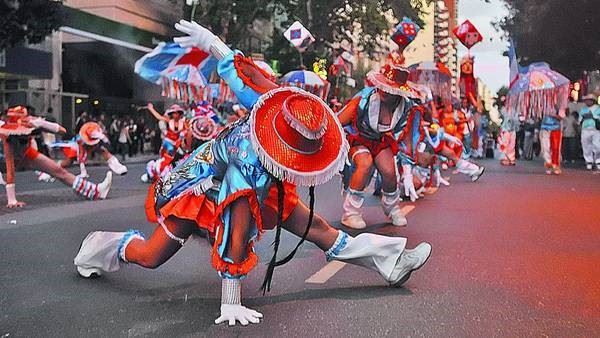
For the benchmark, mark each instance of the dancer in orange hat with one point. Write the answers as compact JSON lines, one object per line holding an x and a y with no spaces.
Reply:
{"x":375,"y":115}
{"x":289,"y":138}
{"x":91,"y":138}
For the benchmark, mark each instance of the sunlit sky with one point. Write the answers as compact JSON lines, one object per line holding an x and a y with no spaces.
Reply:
{"x":490,"y":65}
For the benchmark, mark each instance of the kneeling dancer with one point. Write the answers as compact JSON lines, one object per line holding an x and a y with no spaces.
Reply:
{"x":290,"y":138}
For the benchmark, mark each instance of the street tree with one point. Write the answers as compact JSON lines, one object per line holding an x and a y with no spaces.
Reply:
{"x":27,"y":21}
{"x":365,"y":23}
{"x":563,"y":33}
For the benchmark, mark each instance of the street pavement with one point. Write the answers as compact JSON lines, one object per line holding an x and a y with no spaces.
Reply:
{"x":515,"y":254}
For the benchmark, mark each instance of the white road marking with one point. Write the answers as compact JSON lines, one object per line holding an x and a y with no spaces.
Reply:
{"x":333,"y":267}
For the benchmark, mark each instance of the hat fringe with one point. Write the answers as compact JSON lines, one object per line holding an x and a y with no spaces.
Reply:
{"x":287,"y":174}
{"x":15,"y":132}
{"x":392,"y":90}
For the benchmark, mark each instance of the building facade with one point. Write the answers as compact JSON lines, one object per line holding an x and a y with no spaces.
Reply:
{"x":88,"y":64}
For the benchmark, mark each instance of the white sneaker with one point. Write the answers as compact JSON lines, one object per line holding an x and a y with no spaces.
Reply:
{"x":410,"y":260}
{"x":478,"y":174}
{"x":144,"y":178}
{"x":89,"y":272}
{"x":104,"y":187}
{"x":354,"y":222}
{"x":589,"y":166}
{"x":398,"y":218}
{"x":116,"y":166}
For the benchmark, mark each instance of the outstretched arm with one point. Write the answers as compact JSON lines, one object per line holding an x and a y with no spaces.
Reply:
{"x":348,"y":114}
{"x":244,"y":78}
{"x":51,"y":127}
{"x":155,"y":113}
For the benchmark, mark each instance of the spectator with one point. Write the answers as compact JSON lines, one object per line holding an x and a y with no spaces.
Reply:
{"x":589,"y":118}
{"x":141,"y":130}
{"x":569,"y":140}
{"x":124,"y":139}
{"x":529,"y":139}
{"x":133,"y":138}
{"x":81,"y":120}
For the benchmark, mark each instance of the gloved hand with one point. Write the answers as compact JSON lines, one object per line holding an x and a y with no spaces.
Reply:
{"x":198,"y":36}
{"x":407,"y":181}
{"x":237,"y":312}
{"x":98,"y":135}
{"x":454,"y":140}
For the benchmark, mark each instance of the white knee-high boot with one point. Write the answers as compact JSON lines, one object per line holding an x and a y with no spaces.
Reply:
{"x":352,"y":216}
{"x":116,"y":166}
{"x":90,"y":190}
{"x":102,"y":251}
{"x":383,"y":254}
{"x":390,"y":204}
{"x":471,"y":169}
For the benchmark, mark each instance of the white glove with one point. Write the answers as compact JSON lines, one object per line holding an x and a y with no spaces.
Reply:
{"x":439,"y":179}
{"x":237,"y":312}
{"x":198,"y":36}
{"x":98,"y":135}
{"x":454,"y":140}
{"x":43,"y":124}
{"x":407,"y":181}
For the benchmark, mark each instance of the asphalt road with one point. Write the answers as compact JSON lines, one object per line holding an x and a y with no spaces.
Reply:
{"x":515,"y":254}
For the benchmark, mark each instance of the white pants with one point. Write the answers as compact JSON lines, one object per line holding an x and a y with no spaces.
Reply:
{"x":590,"y":143}
{"x":507,"y":146}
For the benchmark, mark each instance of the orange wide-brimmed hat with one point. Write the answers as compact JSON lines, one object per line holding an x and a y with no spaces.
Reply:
{"x":393,"y":79}
{"x":13,"y":125}
{"x":297,"y":137}
{"x":203,"y":128}
{"x":91,"y":133}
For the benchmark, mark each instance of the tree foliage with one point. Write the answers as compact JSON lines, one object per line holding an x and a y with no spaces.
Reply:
{"x":328,"y":20}
{"x":563,"y":33}
{"x":27,"y":21}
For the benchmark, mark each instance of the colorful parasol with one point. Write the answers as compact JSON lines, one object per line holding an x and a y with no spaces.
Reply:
{"x":538,"y":91}
{"x":436,"y":76}
{"x":306,"y":80}
{"x":182,"y":72}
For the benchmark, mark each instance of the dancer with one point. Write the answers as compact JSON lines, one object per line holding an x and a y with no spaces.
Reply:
{"x":376,"y":114}
{"x":20,"y":151}
{"x":202,"y":129}
{"x":290,"y":137}
{"x":551,"y":139}
{"x":423,"y":143}
{"x":176,"y":126}
{"x":507,"y":139}
{"x":90,"y":139}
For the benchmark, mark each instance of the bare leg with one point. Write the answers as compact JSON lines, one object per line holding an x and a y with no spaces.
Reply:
{"x":156,"y":250}
{"x":364,"y":168}
{"x":321,"y":233}
{"x":67,"y":162}
{"x":385,"y":163}
{"x":10,"y":176}
{"x":44,"y":164}
{"x":106,"y":155}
